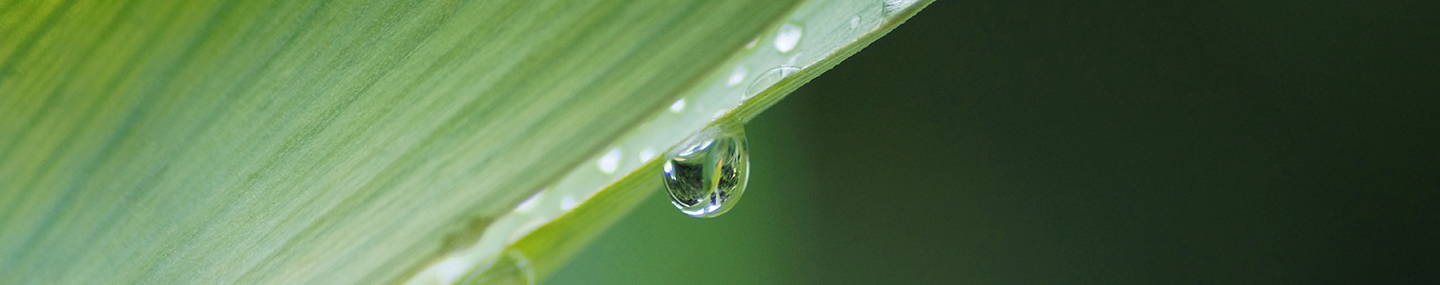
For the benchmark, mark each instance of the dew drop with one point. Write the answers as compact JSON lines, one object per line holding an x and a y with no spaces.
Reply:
{"x":568,"y":203}
{"x":678,"y":106}
{"x":646,"y":154}
{"x":510,"y":267}
{"x":895,"y":6}
{"x":530,"y":203}
{"x":737,"y":76}
{"x":526,"y":229}
{"x":706,"y":174}
{"x":451,"y":269}
{"x":770,"y":77}
{"x":787,"y":37}
{"x":793,"y":59}
{"x":610,"y":161}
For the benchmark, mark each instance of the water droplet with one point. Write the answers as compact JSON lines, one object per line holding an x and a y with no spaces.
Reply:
{"x":894,"y":6}
{"x":526,"y":229}
{"x":568,"y":203}
{"x":451,"y":269}
{"x":737,"y":76}
{"x":752,"y":42}
{"x":770,"y":77}
{"x":530,"y":203}
{"x":787,"y":37}
{"x":793,"y":59}
{"x":646,"y":154}
{"x":678,"y":106}
{"x":706,"y":174}
{"x":510,"y":267}
{"x":610,"y":161}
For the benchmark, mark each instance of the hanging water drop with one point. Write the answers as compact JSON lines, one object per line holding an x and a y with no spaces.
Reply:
{"x":705,"y":175}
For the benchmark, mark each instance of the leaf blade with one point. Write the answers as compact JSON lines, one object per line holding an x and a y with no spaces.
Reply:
{"x":216,"y":149}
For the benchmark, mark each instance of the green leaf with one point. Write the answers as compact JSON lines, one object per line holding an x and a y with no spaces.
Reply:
{"x":365,"y":141}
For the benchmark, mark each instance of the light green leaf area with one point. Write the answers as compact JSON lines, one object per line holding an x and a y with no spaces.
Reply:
{"x":318,"y":142}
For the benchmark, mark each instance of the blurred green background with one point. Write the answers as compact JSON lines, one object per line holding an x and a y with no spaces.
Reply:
{"x":1134,"y":142}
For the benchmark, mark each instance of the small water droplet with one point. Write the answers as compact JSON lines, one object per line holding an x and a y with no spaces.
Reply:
{"x":451,"y":269}
{"x":568,"y":203}
{"x":855,"y":22}
{"x":787,"y":37}
{"x":678,"y":106}
{"x":530,"y":203}
{"x":610,"y":161}
{"x":646,"y":154}
{"x":737,"y":76}
{"x":706,"y":174}
{"x":752,"y":42}
{"x":770,"y":77}
{"x":526,"y":229}
{"x":510,"y":267}
{"x":895,"y":6}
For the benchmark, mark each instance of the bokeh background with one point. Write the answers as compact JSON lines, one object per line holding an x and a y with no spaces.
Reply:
{"x":1110,"y":142}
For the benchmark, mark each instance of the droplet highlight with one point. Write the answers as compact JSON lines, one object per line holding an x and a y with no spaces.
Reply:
{"x":787,"y":37}
{"x":706,"y":174}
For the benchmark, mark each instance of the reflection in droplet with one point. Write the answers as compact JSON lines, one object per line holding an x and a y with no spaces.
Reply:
{"x":706,"y":174}
{"x":770,"y":77}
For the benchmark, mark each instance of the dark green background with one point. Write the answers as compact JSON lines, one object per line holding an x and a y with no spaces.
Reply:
{"x":1087,"y":142}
